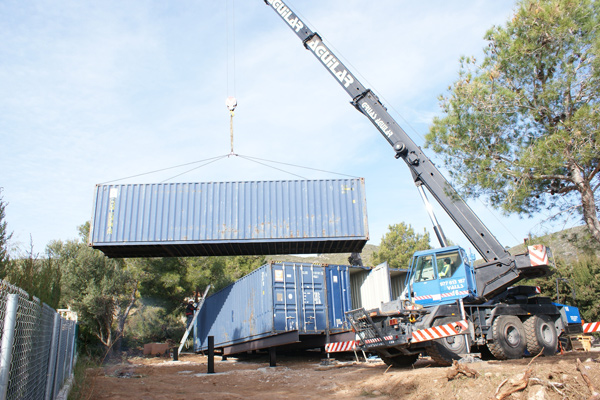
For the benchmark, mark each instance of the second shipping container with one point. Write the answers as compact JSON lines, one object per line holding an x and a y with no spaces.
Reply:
{"x":289,"y":304}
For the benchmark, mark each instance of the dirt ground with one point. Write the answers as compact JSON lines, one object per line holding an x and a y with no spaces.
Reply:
{"x":304,"y":377}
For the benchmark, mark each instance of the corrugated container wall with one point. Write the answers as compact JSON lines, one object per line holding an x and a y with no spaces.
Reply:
{"x":275,"y":299}
{"x":230,"y":218}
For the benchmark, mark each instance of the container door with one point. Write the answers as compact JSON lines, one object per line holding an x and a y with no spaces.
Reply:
{"x":285,"y":300}
{"x":376,"y":288}
{"x":313,"y":298}
{"x":338,"y":296}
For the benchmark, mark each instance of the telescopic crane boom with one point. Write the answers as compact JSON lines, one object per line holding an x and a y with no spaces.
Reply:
{"x":507,"y":269}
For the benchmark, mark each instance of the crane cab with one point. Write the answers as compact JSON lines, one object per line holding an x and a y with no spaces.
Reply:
{"x":440,"y":276}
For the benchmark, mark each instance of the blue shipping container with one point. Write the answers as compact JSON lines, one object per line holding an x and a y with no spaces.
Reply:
{"x":275,"y":299}
{"x":230,"y":218}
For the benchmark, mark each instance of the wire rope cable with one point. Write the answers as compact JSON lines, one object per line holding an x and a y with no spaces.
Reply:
{"x":230,"y":45}
{"x":164,"y":169}
{"x":297,"y":166}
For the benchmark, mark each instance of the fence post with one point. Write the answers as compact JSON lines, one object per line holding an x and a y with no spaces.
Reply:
{"x":8,"y":337}
{"x":60,"y":358}
{"x":52,"y":361}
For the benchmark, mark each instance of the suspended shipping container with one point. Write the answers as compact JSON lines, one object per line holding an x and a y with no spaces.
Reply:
{"x":287,"y":304}
{"x":230,"y":218}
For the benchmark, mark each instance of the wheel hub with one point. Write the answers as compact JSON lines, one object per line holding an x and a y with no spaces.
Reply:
{"x":513,"y":338}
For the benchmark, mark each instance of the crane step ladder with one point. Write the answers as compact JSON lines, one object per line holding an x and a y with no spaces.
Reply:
{"x":191,"y":325}
{"x":368,"y":333}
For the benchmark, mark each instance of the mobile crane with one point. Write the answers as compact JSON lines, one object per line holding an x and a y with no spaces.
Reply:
{"x":450,"y":305}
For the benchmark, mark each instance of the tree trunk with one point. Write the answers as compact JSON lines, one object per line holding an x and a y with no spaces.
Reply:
{"x":122,"y":318}
{"x":588,"y":203}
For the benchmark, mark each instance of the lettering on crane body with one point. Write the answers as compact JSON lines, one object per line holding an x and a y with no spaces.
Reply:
{"x":315,"y":44}
{"x":378,"y":121}
{"x":327,"y":58}
{"x":287,"y":14}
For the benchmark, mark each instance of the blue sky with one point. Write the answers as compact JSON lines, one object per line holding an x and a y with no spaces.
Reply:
{"x":95,"y":91}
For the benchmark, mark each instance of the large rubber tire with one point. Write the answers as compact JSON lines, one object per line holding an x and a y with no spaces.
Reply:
{"x":541,"y":335}
{"x":401,"y":361}
{"x":444,"y":351}
{"x":509,"y":339}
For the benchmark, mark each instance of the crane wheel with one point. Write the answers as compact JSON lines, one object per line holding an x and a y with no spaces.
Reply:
{"x":444,"y":351}
{"x":541,"y":335}
{"x":509,"y":339}
{"x":401,"y":361}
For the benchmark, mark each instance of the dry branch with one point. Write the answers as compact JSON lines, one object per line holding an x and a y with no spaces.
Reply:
{"x":552,"y":385}
{"x":460,"y":369}
{"x":595,"y":395}
{"x":515,"y":387}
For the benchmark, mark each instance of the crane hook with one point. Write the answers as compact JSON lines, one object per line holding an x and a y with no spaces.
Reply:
{"x":231,"y":104}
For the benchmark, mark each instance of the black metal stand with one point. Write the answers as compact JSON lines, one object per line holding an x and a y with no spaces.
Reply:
{"x":211,"y":355}
{"x":272,"y":357}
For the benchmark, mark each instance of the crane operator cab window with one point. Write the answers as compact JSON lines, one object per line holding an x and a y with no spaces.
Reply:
{"x":447,"y":264}
{"x":424,"y":270}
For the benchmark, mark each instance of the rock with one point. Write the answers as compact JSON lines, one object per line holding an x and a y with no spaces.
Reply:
{"x":537,"y":394}
{"x":516,"y":378}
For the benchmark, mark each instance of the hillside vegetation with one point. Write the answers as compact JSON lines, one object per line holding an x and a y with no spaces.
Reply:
{"x":569,"y":244}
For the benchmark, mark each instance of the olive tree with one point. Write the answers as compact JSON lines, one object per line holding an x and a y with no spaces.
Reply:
{"x":398,"y":245}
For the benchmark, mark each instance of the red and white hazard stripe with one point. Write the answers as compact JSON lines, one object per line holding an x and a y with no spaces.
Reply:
{"x":417,"y":298}
{"x":378,"y":339}
{"x":455,"y":293}
{"x":337,"y":347}
{"x":438,"y":332}
{"x":591,"y":327}
{"x":538,"y":255}
{"x":447,"y":294}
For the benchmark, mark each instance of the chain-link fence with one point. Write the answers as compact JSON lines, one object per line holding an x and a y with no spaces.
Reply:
{"x":37,"y":351}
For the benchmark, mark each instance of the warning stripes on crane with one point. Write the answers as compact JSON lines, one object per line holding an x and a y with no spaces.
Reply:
{"x":378,"y":339}
{"x":591,"y":327}
{"x":447,"y":294}
{"x":538,"y":255}
{"x":442,"y":331}
{"x":337,"y":347}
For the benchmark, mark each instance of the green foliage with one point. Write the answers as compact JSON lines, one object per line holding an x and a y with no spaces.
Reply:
{"x":220,"y":271}
{"x":40,"y":277}
{"x":4,"y":238}
{"x":399,"y":244}
{"x":101,"y":290}
{"x":523,"y":126}
{"x":580,"y":276}
{"x":138,"y":299}
{"x":152,"y":323}
{"x":164,"y":280}
{"x":83,"y":377}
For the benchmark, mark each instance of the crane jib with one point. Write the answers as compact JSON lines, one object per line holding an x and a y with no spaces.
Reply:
{"x":328,"y":59}
{"x":288,"y":15}
{"x":314,"y":43}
